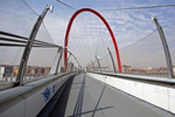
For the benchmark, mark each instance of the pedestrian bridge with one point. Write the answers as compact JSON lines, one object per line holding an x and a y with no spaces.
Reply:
{"x":90,"y":94}
{"x":103,"y":60}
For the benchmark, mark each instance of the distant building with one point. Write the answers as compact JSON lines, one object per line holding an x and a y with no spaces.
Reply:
{"x":2,"y":71}
{"x":36,"y":70}
{"x":39,"y":71}
{"x":15,"y":71}
{"x":62,"y":69}
{"x":32,"y":71}
{"x":8,"y":71}
{"x":103,"y":68}
{"x":149,"y":71}
{"x":70,"y":67}
{"x":46,"y":70}
{"x":174,"y":70}
{"x":126,"y":68}
{"x":42,"y":71}
{"x":27,"y":71}
{"x":163,"y":70}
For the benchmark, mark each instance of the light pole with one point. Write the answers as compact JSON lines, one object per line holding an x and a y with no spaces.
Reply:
{"x":92,"y":65}
{"x":75,"y":58}
{"x":98,"y":58}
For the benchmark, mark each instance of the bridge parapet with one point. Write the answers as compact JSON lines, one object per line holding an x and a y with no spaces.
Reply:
{"x":157,"y":91}
{"x":28,"y":100}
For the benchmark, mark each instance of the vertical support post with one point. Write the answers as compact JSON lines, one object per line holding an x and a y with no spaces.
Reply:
{"x":98,"y":63}
{"x":88,"y":67}
{"x":165,"y":47}
{"x":26,"y":53}
{"x":69,"y":66}
{"x":80,"y":68}
{"x":92,"y":65}
{"x":75,"y":59}
{"x":61,"y":50}
{"x":112,"y":60}
{"x":70,"y":54}
{"x":68,"y":63}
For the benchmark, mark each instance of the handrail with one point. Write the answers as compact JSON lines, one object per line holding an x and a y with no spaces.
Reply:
{"x":19,"y":90}
{"x":8,"y":85}
{"x":139,"y":77}
{"x":19,"y":38}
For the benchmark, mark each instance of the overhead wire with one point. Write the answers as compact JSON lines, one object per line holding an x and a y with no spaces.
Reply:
{"x":85,"y":32}
{"x":74,"y":9}
{"x":92,"y":34}
{"x":125,"y":8}
{"x":30,"y":8}
{"x":43,"y":24}
{"x":87,"y":35}
{"x":67,"y":5}
{"x":101,"y":38}
{"x":75,"y":40}
{"x":138,"y":8}
{"x":79,"y":41}
{"x":118,"y":9}
{"x":145,"y":37}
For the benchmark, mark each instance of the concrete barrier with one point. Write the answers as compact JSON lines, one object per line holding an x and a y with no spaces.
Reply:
{"x":29,"y":100}
{"x":157,"y":93}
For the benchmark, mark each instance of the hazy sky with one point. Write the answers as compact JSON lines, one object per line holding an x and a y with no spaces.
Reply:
{"x":89,"y":37}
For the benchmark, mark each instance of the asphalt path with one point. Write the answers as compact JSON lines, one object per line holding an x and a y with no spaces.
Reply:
{"x":91,"y":98}
{"x":85,"y":96}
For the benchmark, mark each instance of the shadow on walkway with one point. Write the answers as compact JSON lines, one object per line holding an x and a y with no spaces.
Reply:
{"x":57,"y":105}
{"x":78,"y":107}
{"x":101,"y":95}
{"x":79,"y":103}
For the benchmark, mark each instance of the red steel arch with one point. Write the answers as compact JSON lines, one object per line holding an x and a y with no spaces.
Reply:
{"x":107,"y":26}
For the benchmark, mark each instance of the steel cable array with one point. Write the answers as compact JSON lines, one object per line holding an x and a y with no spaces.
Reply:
{"x":136,"y":35}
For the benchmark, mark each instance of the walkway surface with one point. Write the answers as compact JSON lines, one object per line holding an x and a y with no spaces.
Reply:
{"x":88,"y":97}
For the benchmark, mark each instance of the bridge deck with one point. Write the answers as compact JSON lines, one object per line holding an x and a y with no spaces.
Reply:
{"x":88,"y":97}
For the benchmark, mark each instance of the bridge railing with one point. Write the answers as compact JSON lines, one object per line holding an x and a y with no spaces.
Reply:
{"x":142,"y":57}
{"x":19,"y":101}
{"x":155,"y":90}
{"x":17,"y":29}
